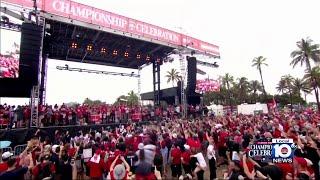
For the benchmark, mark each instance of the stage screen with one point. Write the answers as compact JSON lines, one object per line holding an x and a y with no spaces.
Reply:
{"x":9,"y":53}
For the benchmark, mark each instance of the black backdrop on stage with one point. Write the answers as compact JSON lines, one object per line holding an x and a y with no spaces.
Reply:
{"x":21,"y":136}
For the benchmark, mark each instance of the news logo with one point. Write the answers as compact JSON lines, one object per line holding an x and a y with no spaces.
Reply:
{"x":282,"y":150}
{"x":276,"y":151}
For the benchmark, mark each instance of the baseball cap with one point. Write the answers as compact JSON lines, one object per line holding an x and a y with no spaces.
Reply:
{"x":6,"y":155}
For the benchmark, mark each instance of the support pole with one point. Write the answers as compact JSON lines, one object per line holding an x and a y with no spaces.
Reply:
{"x":43,"y":79}
{"x":156,"y":83}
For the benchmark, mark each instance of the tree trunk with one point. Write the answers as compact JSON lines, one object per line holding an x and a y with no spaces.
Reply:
{"x":229,"y":94}
{"x":264,"y":91}
{"x":305,"y":97}
{"x":317,"y":97}
{"x":314,"y":85}
{"x":291,"y":107}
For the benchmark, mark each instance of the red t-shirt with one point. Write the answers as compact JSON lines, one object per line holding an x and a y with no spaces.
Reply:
{"x":151,"y":176}
{"x":277,"y":133}
{"x":222,"y":138}
{"x":286,"y":168}
{"x":186,"y":157}
{"x":96,"y":169}
{"x":249,"y":165}
{"x":176,"y":156}
{"x":3,"y":167}
{"x":36,"y":170}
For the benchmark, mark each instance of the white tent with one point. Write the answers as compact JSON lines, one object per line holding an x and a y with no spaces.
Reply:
{"x":216,"y":109}
{"x":252,"y":108}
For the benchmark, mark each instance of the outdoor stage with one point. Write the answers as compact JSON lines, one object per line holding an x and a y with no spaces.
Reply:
{"x":71,"y":31}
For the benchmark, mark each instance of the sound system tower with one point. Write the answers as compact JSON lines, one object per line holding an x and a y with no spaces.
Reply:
{"x":192,"y":75}
{"x":30,"y":52}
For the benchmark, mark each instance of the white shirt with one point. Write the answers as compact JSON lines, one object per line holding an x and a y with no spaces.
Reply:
{"x":201,"y":160}
{"x":210,"y":152}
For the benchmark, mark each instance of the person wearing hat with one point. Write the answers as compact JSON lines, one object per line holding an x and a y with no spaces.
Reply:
{"x":13,"y":172}
{"x":4,"y":164}
{"x":185,"y":158}
{"x":119,"y":171}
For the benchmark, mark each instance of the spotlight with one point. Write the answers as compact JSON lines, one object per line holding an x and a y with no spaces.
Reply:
{"x":138,"y":56}
{"x":89,"y":47}
{"x":126,"y":54}
{"x":103,"y":50}
{"x":74,"y":45}
{"x":115,"y":52}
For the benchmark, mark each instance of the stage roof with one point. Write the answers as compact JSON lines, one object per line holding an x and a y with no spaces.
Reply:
{"x":70,"y":22}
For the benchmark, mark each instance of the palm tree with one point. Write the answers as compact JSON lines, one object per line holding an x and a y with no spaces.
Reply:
{"x":227,"y":79}
{"x":300,"y":85}
{"x":313,"y":77}
{"x":306,"y":52}
{"x":287,"y":82}
{"x":259,"y":62}
{"x":132,"y":98}
{"x":173,"y":76}
{"x":282,"y":86}
{"x":242,"y":86}
{"x":254,"y":87}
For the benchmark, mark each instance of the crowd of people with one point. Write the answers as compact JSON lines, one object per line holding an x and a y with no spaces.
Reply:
{"x":177,"y":148}
{"x":17,"y":117}
{"x":9,"y":66}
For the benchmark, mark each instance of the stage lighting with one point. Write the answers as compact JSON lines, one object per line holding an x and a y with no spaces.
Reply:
{"x":74,"y":45}
{"x":115,"y":52}
{"x":89,"y":47}
{"x":126,"y":54}
{"x":138,"y":56}
{"x":103,"y":50}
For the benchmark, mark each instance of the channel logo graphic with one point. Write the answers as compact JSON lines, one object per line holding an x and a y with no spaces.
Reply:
{"x":283,"y":150}
{"x":276,"y":151}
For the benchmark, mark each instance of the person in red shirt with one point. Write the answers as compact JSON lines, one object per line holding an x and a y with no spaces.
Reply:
{"x":5,"y":157}
{"x":96,"y":165}
{"x":45,"y":169}
{"x":176,"y":161}
{"x":185,"y":158}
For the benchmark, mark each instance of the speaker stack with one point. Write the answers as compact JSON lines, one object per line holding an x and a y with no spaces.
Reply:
{"x":192,"y":75}
{"x":30,"y":52}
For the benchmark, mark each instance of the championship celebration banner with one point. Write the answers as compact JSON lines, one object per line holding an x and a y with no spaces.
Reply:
{"x":84,"y":13}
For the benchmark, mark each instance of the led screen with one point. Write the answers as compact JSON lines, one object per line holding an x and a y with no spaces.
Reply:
{"x":9,"y":53}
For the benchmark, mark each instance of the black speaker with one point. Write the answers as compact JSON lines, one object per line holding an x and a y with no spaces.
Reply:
{"x":192,"y":74}
{"x":30,"y":51}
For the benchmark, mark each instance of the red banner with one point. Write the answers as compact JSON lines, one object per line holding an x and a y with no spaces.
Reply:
{"x":84,"y":13}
